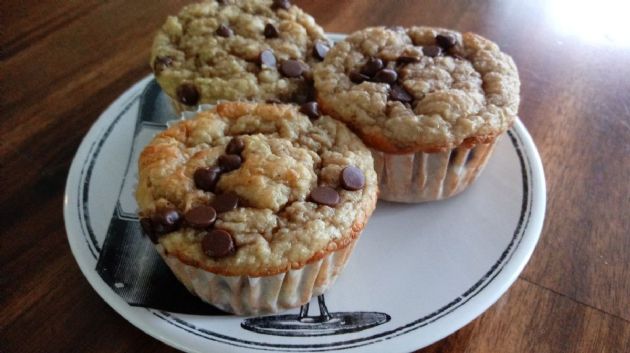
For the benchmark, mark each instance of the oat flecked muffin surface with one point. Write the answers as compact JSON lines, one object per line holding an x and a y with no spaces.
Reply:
{"x":281,"y":219}
{"x":419,"y":89}
{"x":238,"y":50}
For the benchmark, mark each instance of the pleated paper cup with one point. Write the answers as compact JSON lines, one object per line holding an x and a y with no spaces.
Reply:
{"x":421,"y":176}
{"x":245,"y":295}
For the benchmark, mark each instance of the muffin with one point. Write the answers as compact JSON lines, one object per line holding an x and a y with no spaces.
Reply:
{"x":431,"y":104}
{"x":237,"y":50}
{"x":256,"y":207}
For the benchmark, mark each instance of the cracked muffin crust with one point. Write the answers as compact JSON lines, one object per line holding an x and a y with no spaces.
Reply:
{"x":275,"y":171}
{"x":238,"y":50}
{"x":419,"y":89}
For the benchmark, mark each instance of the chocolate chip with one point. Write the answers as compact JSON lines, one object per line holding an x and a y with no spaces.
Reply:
{"x":224,"y":31}
{"x":267,"y":58}
{"x":399,"y":93}
{"x":206,"y":178}
{"x":188,"y":94}
{"x":431,"y":50}
{"x":291,"y":68}
{"x":446,"y":41}
{"x":325,"y":195}
{"x":405,"y":59}
{"x":311,"y":110}
{"x":165,"y":220}
{"x":270,"y":31}
{"x":236,"y":146}
{"x":281,"y":4}
{"x":145,"y":223}
{"x":230,"y":162}
{"x":372,"y":66}
{"x":303,"y":95}
{"x":147,"y":228}
{"x":218,"y":243}
{"x":161,"y":63}
{"x":225,"y":202}
{"x":357,"y":77}
{"x":200,"y":217}
{"x":352,"y":178}
{"x":320,"y":50}
{"x":386,"y":76}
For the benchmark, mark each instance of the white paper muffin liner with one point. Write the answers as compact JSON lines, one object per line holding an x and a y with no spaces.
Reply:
{"x":420,"y":177}
{"x":244,"y":295}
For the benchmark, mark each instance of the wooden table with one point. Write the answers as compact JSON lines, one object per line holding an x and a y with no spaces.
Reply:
{"x":63,"y":62}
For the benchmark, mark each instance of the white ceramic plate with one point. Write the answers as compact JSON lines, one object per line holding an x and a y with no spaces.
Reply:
{"x":418,"y":273}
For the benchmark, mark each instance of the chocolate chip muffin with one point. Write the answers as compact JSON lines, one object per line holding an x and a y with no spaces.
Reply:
{"x":256,"y":207}
{"x":429,"y":102}
{"x":238,"y":50}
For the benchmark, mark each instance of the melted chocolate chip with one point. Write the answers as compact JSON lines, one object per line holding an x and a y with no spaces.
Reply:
{"x":311,"y":110}
{"x":218,"y":243}
{"x":291,"y":68}
{"x":372,"y":66}
{"x":230,"y":162}
{"x":405,"y":59}
{"x":352,"y":178}
{"x":320,"y":50}
{"x":147,"y":228}
{"x":325,"y":195}
{"x":188,"y":94}
{"x":299,"y":97}
{"x":225,"y":202}
{"x":267,"y":58}
{"x":206,"y":178}
{"x":386,"y":76}
{"x":225,"y":31}
{"x":235,"y":146}
{"x":399,"y":93}
{"x":165,"y":220}
{"x":303,"y":95}
{"x":271,"y":31}
{"x":161,"y":63}
{"x":357,"y":77}
{"x":200,"y":217}
{"x":431,"y":51}
{"x":446,"y":41}
{"x":281,"y":4}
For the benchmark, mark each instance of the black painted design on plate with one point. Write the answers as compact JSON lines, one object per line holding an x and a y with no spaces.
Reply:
{"x":421,"y":322}
{"x":324,"y":324}
{"x":128,"y":261}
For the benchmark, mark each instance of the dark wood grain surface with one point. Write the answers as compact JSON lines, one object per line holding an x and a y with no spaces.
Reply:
{"x":63,"y":62}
